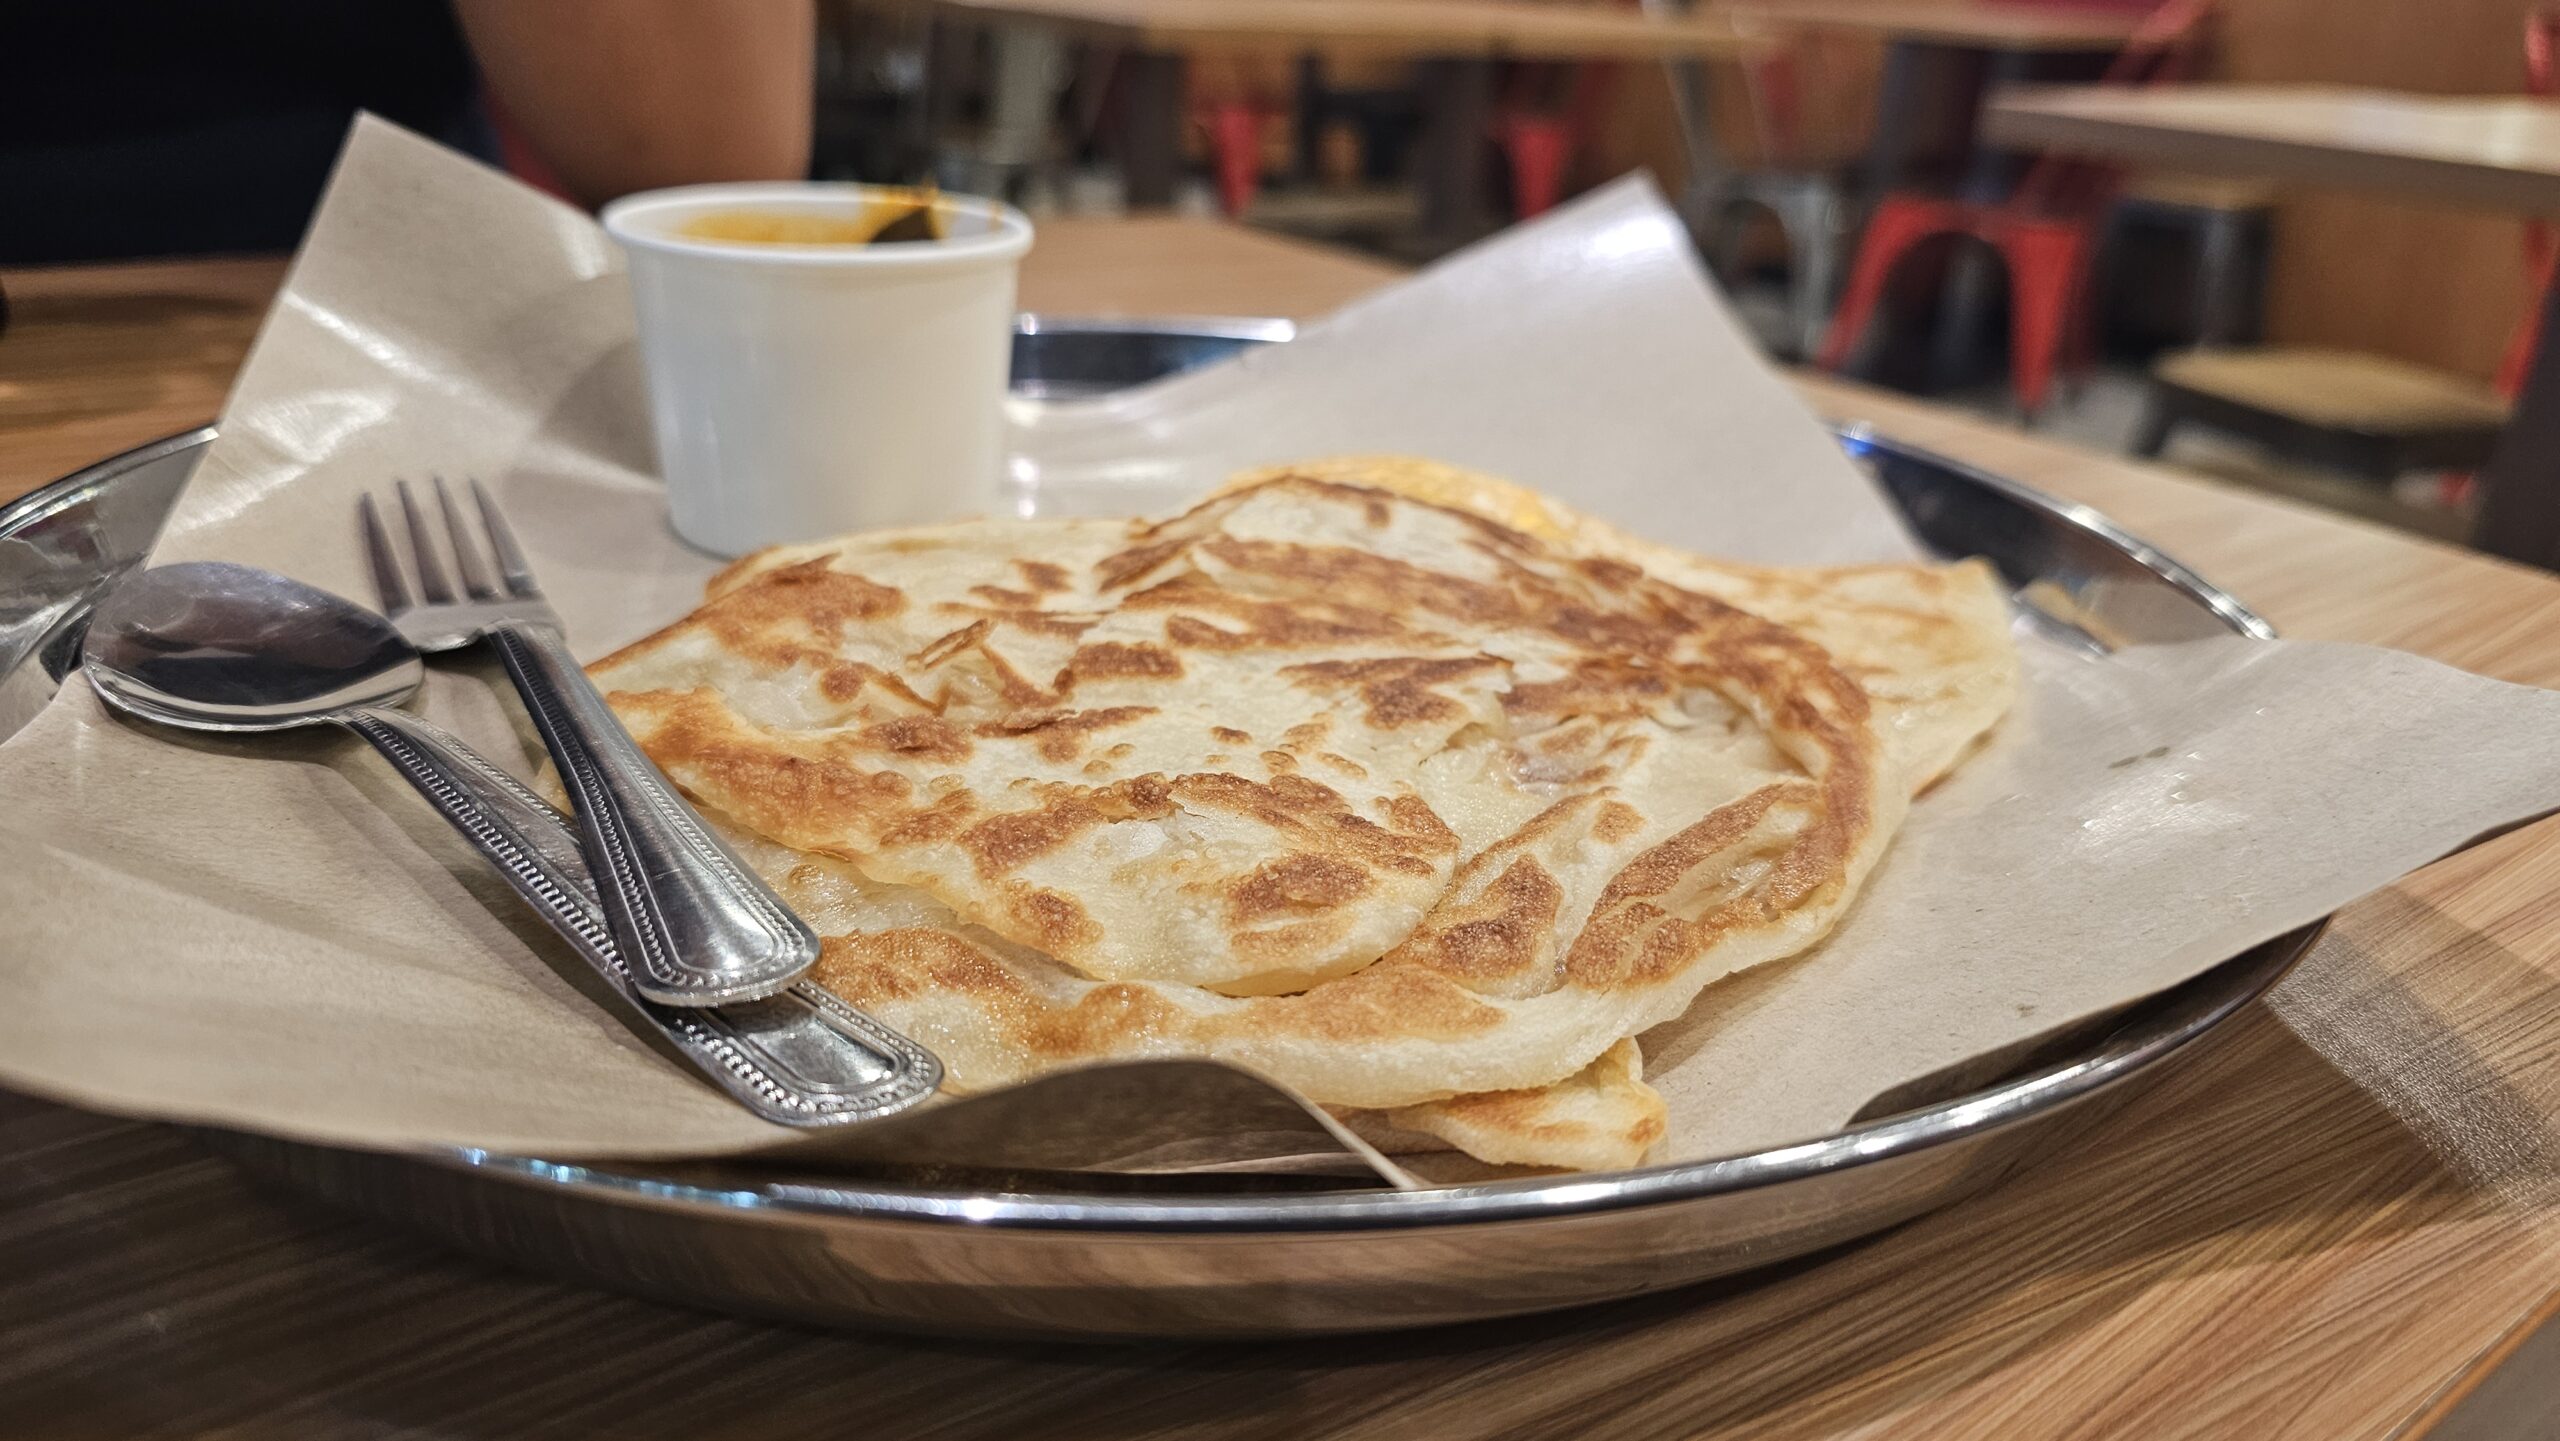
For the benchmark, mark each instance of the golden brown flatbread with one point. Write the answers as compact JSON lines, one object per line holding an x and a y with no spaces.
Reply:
{"x":1407,"y":807}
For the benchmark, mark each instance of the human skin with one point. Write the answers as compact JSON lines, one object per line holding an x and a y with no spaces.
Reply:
{"x":617,"y":96}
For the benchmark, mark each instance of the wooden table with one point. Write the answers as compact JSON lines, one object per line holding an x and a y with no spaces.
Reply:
{"x":2494,"y":152}
{"x":2012,"y":28}
{"x":100,"y":358}
{"x":1455,"y":42}
{"x":2490,"y":153}
{"x":1498,"y":29}
{"x":2334,"y":1221}
{"x":1970,"y":45}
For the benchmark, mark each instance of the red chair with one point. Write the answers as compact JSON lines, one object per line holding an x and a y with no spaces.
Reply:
{"x":1235,"y":108}
{"x":2542,"y":80}
{"x":2045,"y":232}
{"x":1235,"y":142}
{"x":1540,"y":142}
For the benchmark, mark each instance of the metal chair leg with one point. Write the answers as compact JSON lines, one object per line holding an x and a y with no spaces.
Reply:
{"x":1815,"y":235}
{"x":1707,"y":206}
{"x":2151,"y":433}
{"x":1030,"y":70}
{"x":2220,"y":252}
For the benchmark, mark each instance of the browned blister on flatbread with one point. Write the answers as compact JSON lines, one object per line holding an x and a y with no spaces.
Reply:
{"x":1414,"y":810}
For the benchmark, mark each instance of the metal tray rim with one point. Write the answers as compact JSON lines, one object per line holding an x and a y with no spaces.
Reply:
{"x":42,"y":501}
{"x":1255,"y":328}
{"x":2129,"y":1052}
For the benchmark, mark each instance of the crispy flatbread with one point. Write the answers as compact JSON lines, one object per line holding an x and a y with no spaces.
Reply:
{"x":1409,"y":808}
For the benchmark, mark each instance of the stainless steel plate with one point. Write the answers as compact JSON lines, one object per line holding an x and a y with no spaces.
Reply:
{"x":1077,"y":1256}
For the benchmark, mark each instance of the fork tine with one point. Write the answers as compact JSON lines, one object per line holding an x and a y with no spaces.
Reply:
{"x":378,"y":555}
{"x":466,"y":552}
{"x":503,"y":541}
{"x":422,"y":546}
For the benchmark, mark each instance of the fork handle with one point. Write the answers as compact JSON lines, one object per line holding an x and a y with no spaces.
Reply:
{"x":803,"y":1059}
{"x":697,"y":927}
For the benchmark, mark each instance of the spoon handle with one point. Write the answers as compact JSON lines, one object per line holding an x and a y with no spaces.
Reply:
{"x":698,"y":927}
{"x":803,"y":1058}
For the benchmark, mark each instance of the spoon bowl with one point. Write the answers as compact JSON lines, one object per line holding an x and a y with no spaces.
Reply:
{"x":209,"y":645}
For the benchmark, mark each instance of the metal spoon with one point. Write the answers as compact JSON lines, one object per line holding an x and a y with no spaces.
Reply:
{"x":207,"y":645}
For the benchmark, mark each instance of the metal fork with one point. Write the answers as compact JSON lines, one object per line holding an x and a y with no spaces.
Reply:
{"x":697,"y":927}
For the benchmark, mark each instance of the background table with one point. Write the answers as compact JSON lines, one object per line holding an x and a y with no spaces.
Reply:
{"x":2335,"y":1220}
{"x":1508,"y":29}
{"x":1979,"y":26}
{"x":1965,"y":46}
{"x":2493,"y":153}
{"x":1456,"y":43}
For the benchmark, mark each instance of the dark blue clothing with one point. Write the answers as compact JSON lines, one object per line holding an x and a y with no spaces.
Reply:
{"x":185,"y":127}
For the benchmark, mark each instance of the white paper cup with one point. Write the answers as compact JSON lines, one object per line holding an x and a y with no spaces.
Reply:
{"x":800,"y":391}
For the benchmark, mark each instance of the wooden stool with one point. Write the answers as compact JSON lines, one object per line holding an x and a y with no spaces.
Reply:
{"x":2367,"y":414}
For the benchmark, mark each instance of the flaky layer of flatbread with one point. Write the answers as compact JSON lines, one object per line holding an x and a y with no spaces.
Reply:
{"x":1420,"y":813}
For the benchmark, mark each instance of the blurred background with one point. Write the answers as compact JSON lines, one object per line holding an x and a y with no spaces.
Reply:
{"x":2355,"y":348}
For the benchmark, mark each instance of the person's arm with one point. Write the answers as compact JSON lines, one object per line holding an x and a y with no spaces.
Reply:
{"x":625,"y":95}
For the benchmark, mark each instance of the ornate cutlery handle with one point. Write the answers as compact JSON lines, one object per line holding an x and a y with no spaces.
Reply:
{"x":698,"y":927}
{"x":803,"y":1058}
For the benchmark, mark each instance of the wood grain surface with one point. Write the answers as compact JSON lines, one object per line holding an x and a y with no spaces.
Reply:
{"x":2342,"y":389}
{"x":96,"y":359}
{"x":2493,"y":153}
{"x":1516,"y":29}
{"x":1967,"y":24}
{"x":2328,"y":1223}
